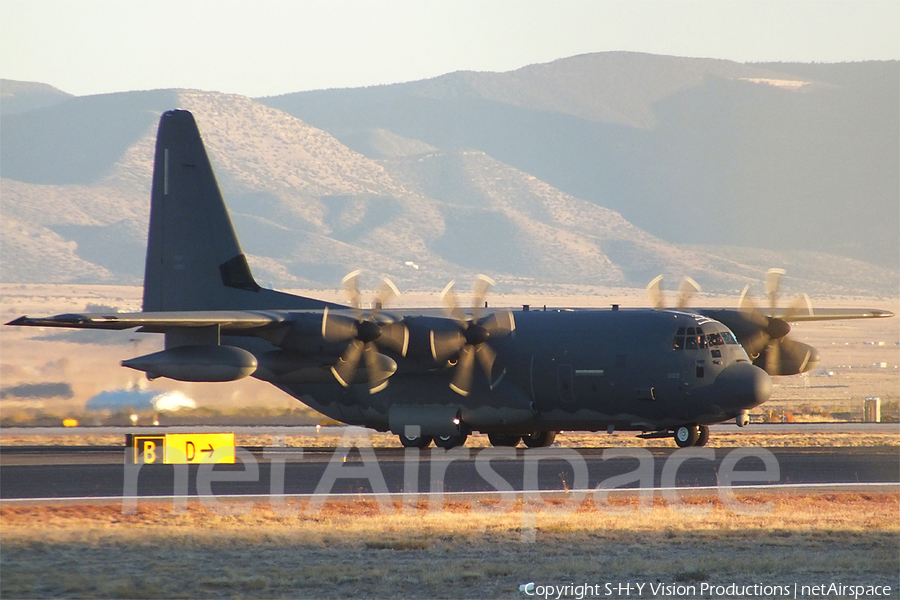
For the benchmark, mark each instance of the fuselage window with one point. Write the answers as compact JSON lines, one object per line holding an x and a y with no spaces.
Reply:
{"x":729,"y":338}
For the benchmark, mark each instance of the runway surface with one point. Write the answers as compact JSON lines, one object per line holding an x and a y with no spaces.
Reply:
{"x":48,"y":473}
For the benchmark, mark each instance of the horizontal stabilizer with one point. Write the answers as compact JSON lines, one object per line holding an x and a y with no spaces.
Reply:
{"x":157,"y":321}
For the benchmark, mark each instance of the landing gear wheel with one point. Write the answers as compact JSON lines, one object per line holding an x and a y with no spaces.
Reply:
{"x":539,"y":439}
{"x":686,"y":436}
{"x":504,"y":440}
{"x":450,"y":441}
{"x":415,"y":441}
{"x":703,"y":436}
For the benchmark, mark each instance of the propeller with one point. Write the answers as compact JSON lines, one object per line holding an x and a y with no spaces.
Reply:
{"x":469,"y":339}
{"x":365,"y":334}
{"x":769,"y":346}
{"x":687,"y":289}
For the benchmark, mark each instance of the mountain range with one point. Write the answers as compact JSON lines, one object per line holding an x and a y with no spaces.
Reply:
{"x":601,"y":170}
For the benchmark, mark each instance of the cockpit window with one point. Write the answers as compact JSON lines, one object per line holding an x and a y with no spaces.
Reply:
{"x":693,"y":338}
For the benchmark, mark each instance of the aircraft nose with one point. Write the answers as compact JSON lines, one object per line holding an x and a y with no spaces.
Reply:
{"x":743,"y":386}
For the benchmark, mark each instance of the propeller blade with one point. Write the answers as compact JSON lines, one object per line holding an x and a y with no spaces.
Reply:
{"x":688,"y":288}
{"x":756,"y":343}
{"x":773,"y":282}
{"x":386,"y":292}
{"x":783,"y":356}
{"x":445,"y":344}
{"x":338,"y":328}
{"x":745,"y":302}
{"x":394,"y":336}
{"x":352,"y":290}
{"x":377,"y":368}
{"x":800,"y":305}
{"x":345,"y":368}
{"x":486,"y":356}
{"x":483,"y":283}
{"x":750,"y":310}
{"x":773,"y":358}
{"x":462,"y":378}
{"x":500,"y":323}
{"x":777,"y":328}
{"x":654,"y":292}
{"x":448,"y":298}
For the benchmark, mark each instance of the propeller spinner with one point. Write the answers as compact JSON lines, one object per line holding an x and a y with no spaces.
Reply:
{"x":365,"y":334}
{"x":469,"y":340}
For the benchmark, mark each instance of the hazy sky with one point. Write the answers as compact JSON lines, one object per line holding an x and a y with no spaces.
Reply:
{"x":269,"y":47}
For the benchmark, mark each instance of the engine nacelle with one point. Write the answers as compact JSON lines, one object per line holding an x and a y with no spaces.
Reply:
{"x":285,"y":366}
{"x":196,"y":363}
{"x":787,"y":357}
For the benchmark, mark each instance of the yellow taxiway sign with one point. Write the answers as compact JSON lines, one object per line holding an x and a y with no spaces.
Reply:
{"x":182,"y":448}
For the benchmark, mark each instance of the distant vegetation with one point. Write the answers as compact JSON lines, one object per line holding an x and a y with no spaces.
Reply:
{"x":38,"y":390}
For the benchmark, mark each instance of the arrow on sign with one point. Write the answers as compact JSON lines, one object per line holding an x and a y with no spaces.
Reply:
{"x":200,"y":448}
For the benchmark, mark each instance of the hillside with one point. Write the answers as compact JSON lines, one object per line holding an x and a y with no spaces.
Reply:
{"x":24,"y":96}
{"x":780,"y":156}
{"x":385,"y":193}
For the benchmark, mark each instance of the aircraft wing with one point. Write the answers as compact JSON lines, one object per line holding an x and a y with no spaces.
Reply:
{"x":159,"y":321}
{"x":838,"y":314}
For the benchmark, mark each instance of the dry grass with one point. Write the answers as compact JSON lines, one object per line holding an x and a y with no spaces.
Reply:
{"x":329,"y":439}
{"x":350,"y":550}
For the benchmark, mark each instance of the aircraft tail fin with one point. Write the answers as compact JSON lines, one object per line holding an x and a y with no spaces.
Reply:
{"x":194,"y":259}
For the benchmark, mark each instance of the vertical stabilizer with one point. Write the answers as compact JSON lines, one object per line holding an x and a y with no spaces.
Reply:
{"x":194,"y":259}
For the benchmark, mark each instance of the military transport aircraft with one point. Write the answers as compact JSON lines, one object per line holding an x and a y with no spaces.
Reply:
{"x":430,"y":374}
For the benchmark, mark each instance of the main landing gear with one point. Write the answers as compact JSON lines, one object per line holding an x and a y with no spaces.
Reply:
{"x":441,"y":441}
{"x":415,"y":441}
{"x":536,"y":439}
{"x":450,"y":441}
{"x":691,"y":435}
{"x":539,"y":439}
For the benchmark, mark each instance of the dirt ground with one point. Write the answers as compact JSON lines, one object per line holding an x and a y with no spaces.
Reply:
{"x":350,"y":550}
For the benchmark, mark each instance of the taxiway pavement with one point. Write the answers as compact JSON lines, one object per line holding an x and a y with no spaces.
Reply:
{"x":58,"y":473}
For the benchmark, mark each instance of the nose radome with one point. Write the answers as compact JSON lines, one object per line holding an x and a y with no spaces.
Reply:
{"x":743,"y":385}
